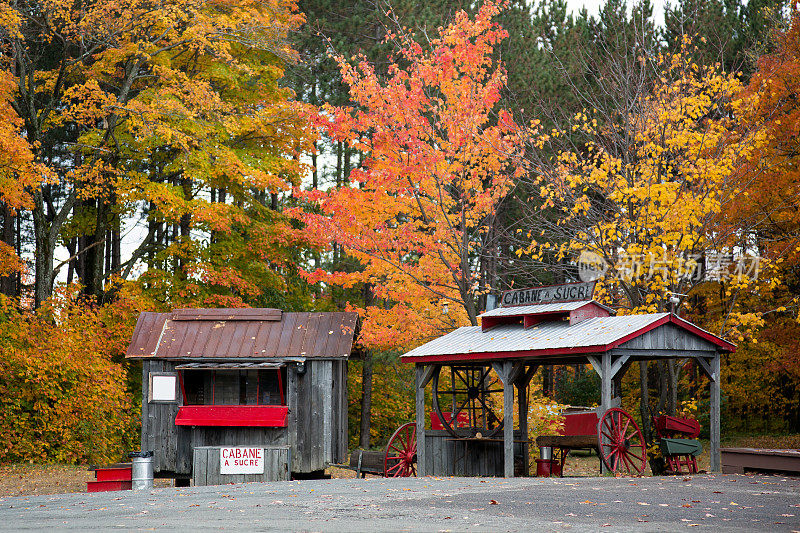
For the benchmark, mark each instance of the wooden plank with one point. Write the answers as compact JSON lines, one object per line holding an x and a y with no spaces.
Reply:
{"x":304,"y":401}
{"x":327,"y":412}
{"x":343,"y":415}
{"x":143,"y":442}
{"x":419,"y":388}
{"x":292,"y":398}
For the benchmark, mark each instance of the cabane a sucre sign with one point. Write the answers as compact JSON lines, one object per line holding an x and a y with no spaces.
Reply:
{"x":240,"y":460}
{"x":551,"y":294}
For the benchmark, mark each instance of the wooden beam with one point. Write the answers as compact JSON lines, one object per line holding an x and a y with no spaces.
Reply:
{"x":517,"y":370}
{"x":641,"y":353}
{"x":706,"y":368}
{"x":595,"y":362}
{"x":422,"y":467}
{"x":616,"y":366}
{"x":526,"y":378}
{"x":428,"y":374}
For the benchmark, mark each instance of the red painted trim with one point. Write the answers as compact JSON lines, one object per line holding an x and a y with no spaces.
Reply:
{"x":232,"y":415}
{"x":521,"y":354}
{"x":280,"y":385}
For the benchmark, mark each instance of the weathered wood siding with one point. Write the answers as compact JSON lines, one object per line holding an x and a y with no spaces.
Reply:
{"x":316,"y":431}
{"x":446,"y":457}
{"x":318,"y":415}
{"x":669,"y":337}
{"x":206,"y":469}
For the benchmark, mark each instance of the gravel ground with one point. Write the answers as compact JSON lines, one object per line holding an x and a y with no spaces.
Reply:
{"x":718,"y":502}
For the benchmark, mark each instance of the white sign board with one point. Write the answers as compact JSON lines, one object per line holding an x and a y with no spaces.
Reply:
{"x":241,"y":460}
{"x":162,"y":388}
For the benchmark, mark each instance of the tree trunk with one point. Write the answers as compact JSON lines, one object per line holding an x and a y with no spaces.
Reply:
{"x":45,"y":241}
{"x":8,"y":285}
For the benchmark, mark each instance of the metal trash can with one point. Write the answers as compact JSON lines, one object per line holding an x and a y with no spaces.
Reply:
{"x":141,"y":470}
{"x":545,"y":453}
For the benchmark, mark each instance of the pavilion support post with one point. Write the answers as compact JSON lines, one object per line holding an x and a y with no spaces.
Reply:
{"x":422,"y":467}
{"x":606,"y":379}
{"x":508,"y":420}
{"x":714,"y":422}
{"x":606,"y":383}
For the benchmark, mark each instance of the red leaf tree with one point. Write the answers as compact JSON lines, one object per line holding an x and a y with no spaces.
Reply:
{"x":439,"y":156}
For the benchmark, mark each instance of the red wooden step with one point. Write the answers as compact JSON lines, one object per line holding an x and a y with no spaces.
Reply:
{"x":104,"y":486}
{"x":113,"y":474}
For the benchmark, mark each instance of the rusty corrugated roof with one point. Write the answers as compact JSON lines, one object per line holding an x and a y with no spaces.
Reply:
{"x":242,"y":333}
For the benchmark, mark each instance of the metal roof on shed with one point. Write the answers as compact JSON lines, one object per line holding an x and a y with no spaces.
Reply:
{"x":242,"y":333}
{"x":551,"y":338}
{"x":543,"y":308}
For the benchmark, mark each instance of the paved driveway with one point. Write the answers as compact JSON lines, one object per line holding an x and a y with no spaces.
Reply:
{"x":702,"y":502}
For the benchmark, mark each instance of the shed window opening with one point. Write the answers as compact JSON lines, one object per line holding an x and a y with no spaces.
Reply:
{"x":234,"y":387}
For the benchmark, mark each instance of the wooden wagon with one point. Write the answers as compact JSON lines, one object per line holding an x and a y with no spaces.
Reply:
{"x":472,"y":370}
{"x":231,"y":395}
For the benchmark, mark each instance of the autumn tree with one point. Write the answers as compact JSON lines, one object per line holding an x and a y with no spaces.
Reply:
{"x":177,"y":109}
{"x":645,"y":188}
{"x":439,"y":160}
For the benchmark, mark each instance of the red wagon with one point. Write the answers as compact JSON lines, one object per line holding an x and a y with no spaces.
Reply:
{"x":615,"y":436}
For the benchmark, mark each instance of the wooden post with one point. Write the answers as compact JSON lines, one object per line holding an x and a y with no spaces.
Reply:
{"x":714,"y":421}
{"x":605,"y":382}
{"x":606,"y":379}
{"x":420,"y":397}
{"x":522,"y":402}
{"x":508,"y":420}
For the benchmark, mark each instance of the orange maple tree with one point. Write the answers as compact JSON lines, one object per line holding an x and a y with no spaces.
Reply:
{"x":438,"y":158}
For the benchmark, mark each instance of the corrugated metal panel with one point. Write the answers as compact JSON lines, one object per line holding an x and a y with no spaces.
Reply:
{"x":541,"y":308}
{"x":146,"y":334}
{"x":543,"y":336}
{"x":304,"y":335}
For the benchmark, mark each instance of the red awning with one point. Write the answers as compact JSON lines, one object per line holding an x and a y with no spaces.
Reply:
{"x":232,"y":415}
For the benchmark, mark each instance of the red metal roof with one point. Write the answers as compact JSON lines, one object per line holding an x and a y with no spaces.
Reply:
{"x":242,"y":333}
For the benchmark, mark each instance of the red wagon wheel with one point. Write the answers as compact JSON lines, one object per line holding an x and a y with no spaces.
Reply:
{"x":621,"y":443}
{"x":400,"y":459}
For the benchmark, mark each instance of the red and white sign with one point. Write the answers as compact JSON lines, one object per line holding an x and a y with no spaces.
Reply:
{"x":241,"y":460}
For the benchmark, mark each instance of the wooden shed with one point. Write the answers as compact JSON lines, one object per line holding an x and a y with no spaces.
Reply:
{"x":221,"y":384}
{"x":538,"y":326}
